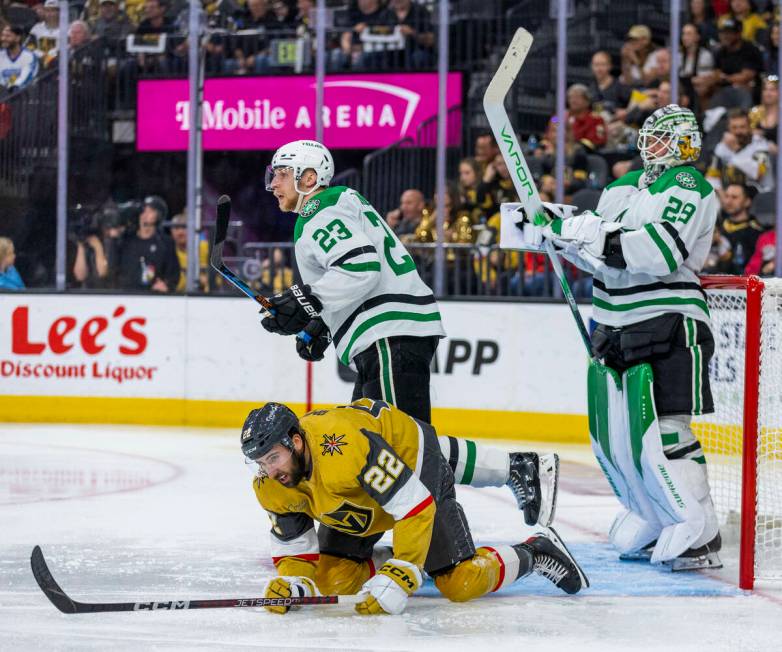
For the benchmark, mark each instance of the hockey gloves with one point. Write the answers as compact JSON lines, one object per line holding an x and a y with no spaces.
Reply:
{"x":285,"y":587}
{"x":320,"y":338}
{"x":388,"y":590}
{"x":291,"y":310}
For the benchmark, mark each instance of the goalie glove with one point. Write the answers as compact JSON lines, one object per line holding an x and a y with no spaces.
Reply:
{"x":291,"y":310}
{"x":286,"y":587}
{"x":388,"y":590}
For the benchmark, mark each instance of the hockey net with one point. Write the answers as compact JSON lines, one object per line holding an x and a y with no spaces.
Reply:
{"x":743,"y":438}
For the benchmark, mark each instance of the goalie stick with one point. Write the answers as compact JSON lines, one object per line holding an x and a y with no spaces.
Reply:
{"x":221,"y":231}
{"x":68,"y":605}
{"x":494,"y":107}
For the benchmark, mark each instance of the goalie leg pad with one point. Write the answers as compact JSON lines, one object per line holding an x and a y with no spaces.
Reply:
{"x":608,"y":429}
{"x":666,"y":482}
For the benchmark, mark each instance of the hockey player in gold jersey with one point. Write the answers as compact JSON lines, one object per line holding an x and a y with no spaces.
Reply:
{"x":361,"y":470}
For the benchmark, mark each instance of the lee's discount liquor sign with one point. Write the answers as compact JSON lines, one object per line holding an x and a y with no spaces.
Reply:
{"x":96,"y":345}
{"x":261,"y":113}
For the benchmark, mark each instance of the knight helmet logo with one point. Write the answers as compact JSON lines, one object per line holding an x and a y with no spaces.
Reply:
{"x":348,"y":518}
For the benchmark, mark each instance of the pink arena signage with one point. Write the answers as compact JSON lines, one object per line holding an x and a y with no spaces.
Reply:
{"x":261,"y":113}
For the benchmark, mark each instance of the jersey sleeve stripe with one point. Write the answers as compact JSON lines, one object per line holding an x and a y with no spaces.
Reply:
{"x":664,"y":249}
{"x":372,"y":266}
{"x":420,"y":507}
{"x":354,"y":253}
{"x":301,"y":546}
{"x":671,"y":230}
{"x":408,"y":500}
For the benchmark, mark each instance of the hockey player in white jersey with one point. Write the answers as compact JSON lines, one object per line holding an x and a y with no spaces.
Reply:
{"x":361,"y":291}
{"x":645,"y":244}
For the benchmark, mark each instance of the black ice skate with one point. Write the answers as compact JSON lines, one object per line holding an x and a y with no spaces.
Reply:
{"x":533,"y":480}
{"x":700,"y":558}
{"x":553,"y":560}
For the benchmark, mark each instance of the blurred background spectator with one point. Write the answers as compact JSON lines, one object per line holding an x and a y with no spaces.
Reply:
{"x":739,"y":227}
{"x":179,"y":236}
{"x":9,"y":277}
{"x":763,"y":259}
{"x":405,"y":219}
{"x":18,"y":66}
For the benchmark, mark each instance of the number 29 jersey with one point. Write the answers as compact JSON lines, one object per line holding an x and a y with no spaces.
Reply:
{"x":363,"y":275}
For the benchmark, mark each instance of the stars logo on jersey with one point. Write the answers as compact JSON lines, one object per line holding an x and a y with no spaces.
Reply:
{"x":310,"y":207}
{"x":333,"y":444}
{"x":686,"y":180}
{"x":348,"y":518}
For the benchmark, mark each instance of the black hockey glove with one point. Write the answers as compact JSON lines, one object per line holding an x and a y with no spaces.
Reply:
{"x":319,"y":342}
{"x":291,"y":310}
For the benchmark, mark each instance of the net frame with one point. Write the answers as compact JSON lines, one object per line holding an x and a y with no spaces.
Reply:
{"x":760,"y":425}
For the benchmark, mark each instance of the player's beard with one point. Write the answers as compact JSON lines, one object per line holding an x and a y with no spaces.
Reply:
{"x":298,"y":470}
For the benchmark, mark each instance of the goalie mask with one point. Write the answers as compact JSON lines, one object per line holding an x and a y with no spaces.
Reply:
{"x":669,"y":137}
{"x":299,"y":156}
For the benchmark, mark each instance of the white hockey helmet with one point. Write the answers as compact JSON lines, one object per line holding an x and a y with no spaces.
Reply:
{"x":301,"y":155}
{"x":669,"y":137}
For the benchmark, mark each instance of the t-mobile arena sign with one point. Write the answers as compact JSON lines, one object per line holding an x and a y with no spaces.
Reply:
{"x":258,"y":113}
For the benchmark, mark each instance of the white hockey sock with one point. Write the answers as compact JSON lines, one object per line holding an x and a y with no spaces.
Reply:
{"x":509,"y":563}
{"x":474,"y":464}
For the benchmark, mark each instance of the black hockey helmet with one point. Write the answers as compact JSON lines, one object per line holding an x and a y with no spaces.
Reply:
{"x":267,"y":426}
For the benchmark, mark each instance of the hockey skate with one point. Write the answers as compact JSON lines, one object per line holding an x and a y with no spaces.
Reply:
{"x":700,"y":558}
{"x":533,"y":480}
{"x":552,"y":560}
{"x":644,"y":554}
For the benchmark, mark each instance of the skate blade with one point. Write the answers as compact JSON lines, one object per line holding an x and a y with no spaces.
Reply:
{"x":548,"y":473}
{"x":636,"y":555}
{"x":552,"y":534}
{"x":708,"y":561}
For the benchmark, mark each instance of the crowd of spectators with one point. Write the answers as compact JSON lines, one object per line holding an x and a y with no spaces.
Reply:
{"x":244,"y":36}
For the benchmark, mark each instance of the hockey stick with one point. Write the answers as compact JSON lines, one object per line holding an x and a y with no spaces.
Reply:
{"x":494,"y":107}
{"x":221,"y":231}
{"x":68,"y":605}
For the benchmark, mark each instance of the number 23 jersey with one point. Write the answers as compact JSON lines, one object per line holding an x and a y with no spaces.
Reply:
{"x":364,"y":480}
{"x":363,"y":275}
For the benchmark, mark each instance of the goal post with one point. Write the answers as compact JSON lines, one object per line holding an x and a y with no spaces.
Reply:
{"x":743,"y":438}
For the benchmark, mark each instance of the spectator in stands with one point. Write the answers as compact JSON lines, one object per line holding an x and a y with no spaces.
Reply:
{"x":91,"y":265}
{"x":485,"y":149}
{"x":45,"y":34}
{"x":415,"y":24}
{"x":276,"y":272}
{"x":741,"y":157}
{"x":405,"y":219}
{"x":9,"y":277}
{"x":607,"y":92}
{"x":18,"y":66}
{"x":368,"y":16}
{"x":78,"y":34}
{"x":496,"y":186}
{"x":305,"y":16}
{"x":636,"y":55}
{"x":111,"y":24}
{"x":753,"y":27}
{"x":281,"y":18}
{"x":585,"y":126}
{"x":470,"y":174}
{"x":696,"y":61}
{"x":738,"y":62}
{"x":701,"y":14}
{"x":738,"y":226}
{"x":155,"y":19}
{"x":718,"y":260}
{"x":657,"y":68}
{"x":147,"y":258}
{"x":179,"y":236}
{"x":251,"y":52}
{"x":764,"y":117}
{"x":763,"y":260}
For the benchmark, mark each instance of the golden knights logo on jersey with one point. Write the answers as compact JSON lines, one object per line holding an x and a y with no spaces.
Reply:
{"x":333,"y":444}
{"x":349,"y":518}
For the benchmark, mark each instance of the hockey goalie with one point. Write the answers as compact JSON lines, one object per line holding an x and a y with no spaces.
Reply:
{"x":644,"y":245}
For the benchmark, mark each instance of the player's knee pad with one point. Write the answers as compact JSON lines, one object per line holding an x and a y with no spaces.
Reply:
{"x":471,"y":578}
{"x":341,"y":576}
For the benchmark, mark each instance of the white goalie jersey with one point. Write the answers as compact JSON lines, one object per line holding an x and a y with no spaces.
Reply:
{"x":666,"y":234}
{"x":362,"y":274}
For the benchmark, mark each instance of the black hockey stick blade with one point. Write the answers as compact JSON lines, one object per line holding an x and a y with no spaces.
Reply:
{"x":49,"y":585}
{"x":60,"y":599}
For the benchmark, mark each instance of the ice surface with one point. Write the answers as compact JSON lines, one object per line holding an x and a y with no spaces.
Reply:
{"x":129,"y":513}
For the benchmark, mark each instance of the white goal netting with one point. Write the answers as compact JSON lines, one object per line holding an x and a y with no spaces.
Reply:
{"x":721,"y":433}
